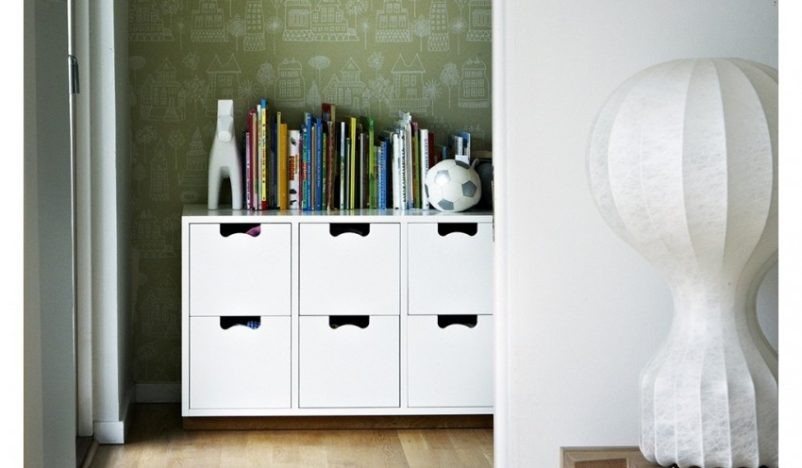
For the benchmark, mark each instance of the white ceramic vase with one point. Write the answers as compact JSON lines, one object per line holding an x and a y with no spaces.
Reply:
{"x":683,"y":166}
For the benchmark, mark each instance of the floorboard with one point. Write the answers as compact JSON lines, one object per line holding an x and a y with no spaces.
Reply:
{"x":157,"y":438}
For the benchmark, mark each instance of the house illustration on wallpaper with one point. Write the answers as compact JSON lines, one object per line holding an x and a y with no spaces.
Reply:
{"x":151,"y":236}
{"x":193,"y":177}
{"x":475,"y":85}
{"x":291,"y":84}
{"x":146,"y":24}
{"x":438,"y":20}
{"x":161,"y":305}
{"x":346,"y":88}
{"x":392,"y":23}
{"x":162,"y":98}
{"x":254,"y":40}
{"x":159,"y":178}
{"x":408,"y":86}
{"x":480,"y":21}
{"x":208,"y":24}
{"x":322,"y":21}
{"x":223,"y":77}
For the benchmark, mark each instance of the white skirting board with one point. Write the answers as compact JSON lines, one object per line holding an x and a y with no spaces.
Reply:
{"x":166,"y":392}
{"x":113,"y":432}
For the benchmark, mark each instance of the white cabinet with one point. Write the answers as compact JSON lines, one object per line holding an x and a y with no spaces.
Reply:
{"x":234,"y":365}
{"x":313,"y":314}
{"x":235,"y":267}
{"x":450,"y":360}
{"x":349,"y":362}
{"x":450,"y":268}
{"x":350,"y":268}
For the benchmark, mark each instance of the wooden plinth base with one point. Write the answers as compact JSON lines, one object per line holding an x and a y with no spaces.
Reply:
{"x":482,"y":421}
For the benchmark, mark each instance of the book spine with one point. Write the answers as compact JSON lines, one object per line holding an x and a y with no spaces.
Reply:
{"x":362,"y":171}
{"x":424,"y":167}
{"x":466,"y":144}
{"x":254,"y":172}
{"x":248,"y":164}
{"x":398,"y":200}
{"x":272,"y":198}
{"x":342,"y":166}
{"x":263,"y":156}
{"x":283,"y":195}
{"x":305,"y":169}
{"x":415,"y":159}
{"x":352,"y":169}
{"x":319,"y":164}
{"x":379,"y":178}
{"x":294,"y":168}
{"x":331,"y":165}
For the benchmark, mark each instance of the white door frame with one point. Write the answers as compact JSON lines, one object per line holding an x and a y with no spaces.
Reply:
{"x":499,"y":89}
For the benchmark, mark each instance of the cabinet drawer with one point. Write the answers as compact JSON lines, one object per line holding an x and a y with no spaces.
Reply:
{"x":450,"y":268}
{"x":349,"y":365}
{"x":232,"y":272}
{"x":349,"y":269}
{"x":238,"y":366}
{"x":450,"y":364}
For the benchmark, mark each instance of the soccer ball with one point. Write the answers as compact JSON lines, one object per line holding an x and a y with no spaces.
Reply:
{"x":452,"y":185}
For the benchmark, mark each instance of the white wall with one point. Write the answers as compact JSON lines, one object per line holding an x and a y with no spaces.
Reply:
{"x":49,"y":350}
{"x":584,"y":312}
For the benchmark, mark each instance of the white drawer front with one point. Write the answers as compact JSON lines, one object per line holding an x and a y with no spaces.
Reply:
{"x":239,"y":367}
{"x":239,"y":274}
{"x":349,"y":366}
{"x":451,"y":366}
{"x":450,"y":273}
{"x":348,"y":273}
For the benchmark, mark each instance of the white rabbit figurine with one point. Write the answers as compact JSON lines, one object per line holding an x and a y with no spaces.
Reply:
{"x":224,"y":160}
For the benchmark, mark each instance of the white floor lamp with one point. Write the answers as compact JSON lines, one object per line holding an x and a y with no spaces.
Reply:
{"x":683,"y":165}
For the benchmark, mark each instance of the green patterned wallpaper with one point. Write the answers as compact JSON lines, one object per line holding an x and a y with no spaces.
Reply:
{"x":428,"y":57}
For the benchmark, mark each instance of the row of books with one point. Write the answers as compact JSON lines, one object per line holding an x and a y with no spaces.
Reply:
{"x":343,"y":164}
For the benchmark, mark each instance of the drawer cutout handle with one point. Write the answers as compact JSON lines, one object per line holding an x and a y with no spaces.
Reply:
{"x":252,"y":322}
{"x":227,"y":229}
{"x":363,"y":229}
{"x":469,"y":321}
{"x":360,"y":321}
{"x":445,"y":229}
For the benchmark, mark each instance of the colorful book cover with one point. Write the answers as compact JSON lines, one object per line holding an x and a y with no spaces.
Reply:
{"x":272,"y":182}
{"x":294,"y":168}
{"x":282,"y":173}
{"x":312,"y":165}
{"x":348,"y":178}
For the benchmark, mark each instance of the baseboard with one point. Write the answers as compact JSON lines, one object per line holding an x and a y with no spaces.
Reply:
{"x":169,"y":392}
{"x":462,"y":421}
{"x":113,"y":432}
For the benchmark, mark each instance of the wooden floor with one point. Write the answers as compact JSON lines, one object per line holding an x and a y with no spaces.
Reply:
{"x":156,"y":439}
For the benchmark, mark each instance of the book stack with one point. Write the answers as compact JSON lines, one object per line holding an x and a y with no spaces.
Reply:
{"x":333,"y":163}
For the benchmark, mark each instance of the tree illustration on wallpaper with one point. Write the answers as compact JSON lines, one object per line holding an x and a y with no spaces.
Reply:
{"x":266,"y":77}
{"x":236,"y":29}
{"x":319,"y":63}
{"x":450,"y":78}
{"x":175,"y":141}
{"x":431,"y":91}
{"x":422,"y":28}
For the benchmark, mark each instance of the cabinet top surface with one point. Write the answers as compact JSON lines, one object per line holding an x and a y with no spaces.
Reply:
{"x":201,"y":211}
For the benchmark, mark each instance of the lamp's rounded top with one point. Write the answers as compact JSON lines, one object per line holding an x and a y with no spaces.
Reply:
{"x":682,"y":162}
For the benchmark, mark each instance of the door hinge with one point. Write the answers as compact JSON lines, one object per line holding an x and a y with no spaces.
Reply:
{"x":72,"y":63}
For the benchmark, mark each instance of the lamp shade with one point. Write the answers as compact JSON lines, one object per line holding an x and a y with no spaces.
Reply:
{"x":682,"y":163}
